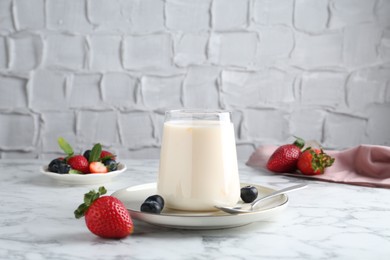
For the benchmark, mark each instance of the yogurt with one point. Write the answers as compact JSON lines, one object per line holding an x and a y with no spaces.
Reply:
{"x":198,"y":165}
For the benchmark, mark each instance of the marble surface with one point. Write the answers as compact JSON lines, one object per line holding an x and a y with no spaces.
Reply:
{"x":323,"y":221}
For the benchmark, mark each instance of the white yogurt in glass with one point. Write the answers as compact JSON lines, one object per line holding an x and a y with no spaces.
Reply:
{"x":198,"y":161}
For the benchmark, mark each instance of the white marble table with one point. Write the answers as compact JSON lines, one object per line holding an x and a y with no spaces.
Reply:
{"x":323,"y":221}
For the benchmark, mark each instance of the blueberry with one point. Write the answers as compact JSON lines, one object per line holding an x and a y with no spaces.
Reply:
{"x":86,"y":154}
{"x":53,"y":165}
{"x":249,"y":194}
{"x":156,"y":198}
{"x":111,"y":164}
{"x":63,"y":168}
{"x":151,"y":206}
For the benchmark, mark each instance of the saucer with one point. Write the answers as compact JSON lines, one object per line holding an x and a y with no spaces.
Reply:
{"x":134,"y":196}
{"x":82,"y":179}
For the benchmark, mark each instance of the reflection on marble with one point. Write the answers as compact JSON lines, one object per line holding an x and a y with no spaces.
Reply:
{"x":323,"y":221}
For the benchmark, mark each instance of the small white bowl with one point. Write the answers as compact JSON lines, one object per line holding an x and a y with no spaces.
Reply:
{"x":82,"y":179}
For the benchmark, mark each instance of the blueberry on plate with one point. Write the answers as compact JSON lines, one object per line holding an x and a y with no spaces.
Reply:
{"x":111,"y":164}
{"x":53,"y":165}
{"x":86,"y":154}
{"x":63,"y":168}
{"x":59,"y":166}
{"x":151,"y":206}
{"x":248,"y":194}
{"x":156,"y":198}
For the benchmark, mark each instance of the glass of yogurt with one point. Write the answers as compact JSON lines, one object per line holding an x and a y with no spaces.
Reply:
{"x":198,"y":160}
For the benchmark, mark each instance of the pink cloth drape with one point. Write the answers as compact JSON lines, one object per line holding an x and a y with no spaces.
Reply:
{"x":366,"y":165}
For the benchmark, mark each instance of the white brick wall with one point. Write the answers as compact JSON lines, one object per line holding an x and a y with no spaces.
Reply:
{"x":151,"y":51}
{"x":100,"y":70}
{"x":64,"y":51}
{"x":311,"y":16}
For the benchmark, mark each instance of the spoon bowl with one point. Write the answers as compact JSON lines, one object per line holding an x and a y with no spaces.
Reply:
{"x":240,"y":209}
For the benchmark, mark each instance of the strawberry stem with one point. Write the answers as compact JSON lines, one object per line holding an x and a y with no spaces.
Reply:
{"x":300,"y":143}
{"x":89,"y":198}
{"x":321,"y":160}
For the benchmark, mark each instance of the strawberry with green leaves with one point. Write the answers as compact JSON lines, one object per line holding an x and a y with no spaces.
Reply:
{"x":285,"y":157}
{"x":314,"y":161}
{"x":105,"y":216}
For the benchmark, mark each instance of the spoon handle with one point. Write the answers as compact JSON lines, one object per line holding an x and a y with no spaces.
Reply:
{"x":278,"y":192}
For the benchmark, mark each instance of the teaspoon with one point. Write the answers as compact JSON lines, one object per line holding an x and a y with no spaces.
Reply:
{"x":239,"y":209}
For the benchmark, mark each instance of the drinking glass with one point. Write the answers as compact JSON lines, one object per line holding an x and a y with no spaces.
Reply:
{"x":198,"y":160}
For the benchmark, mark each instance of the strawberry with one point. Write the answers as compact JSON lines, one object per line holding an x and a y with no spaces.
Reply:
{"x":97,"y":167}
{"x":285,"y":158}
{"x":314,"y":161}
{"x":105,"y":155}
{"x":79,"y":163}
{"x":105,"y":216}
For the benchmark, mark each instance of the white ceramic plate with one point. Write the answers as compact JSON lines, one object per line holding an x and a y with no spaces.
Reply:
{"x":134,"y":196}
{"x":80,"y":179}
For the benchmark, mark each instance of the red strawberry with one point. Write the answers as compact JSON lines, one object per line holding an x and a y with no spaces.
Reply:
{"x":105,"y":216}
{"x":79,"y":163}
{"x":285,"y":158}
{"x":106,"y":155}
{"x":314,"y":162}
{"x":97,"y":167}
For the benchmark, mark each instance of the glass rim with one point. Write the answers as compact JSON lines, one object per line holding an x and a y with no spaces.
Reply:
{"x":198,"y":111}
{"x":198,"y":114}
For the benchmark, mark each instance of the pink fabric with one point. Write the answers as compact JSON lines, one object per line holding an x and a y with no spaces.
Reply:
{"x":366,"y":165}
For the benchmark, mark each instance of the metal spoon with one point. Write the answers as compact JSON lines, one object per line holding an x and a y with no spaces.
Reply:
{"x":239,"y":209}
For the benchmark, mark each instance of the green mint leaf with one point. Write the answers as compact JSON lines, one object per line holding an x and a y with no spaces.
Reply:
{"x":73,"y":171}
{"x":65,"y":146}
{"x":107,"y":157}
{"x":95,"y":153}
